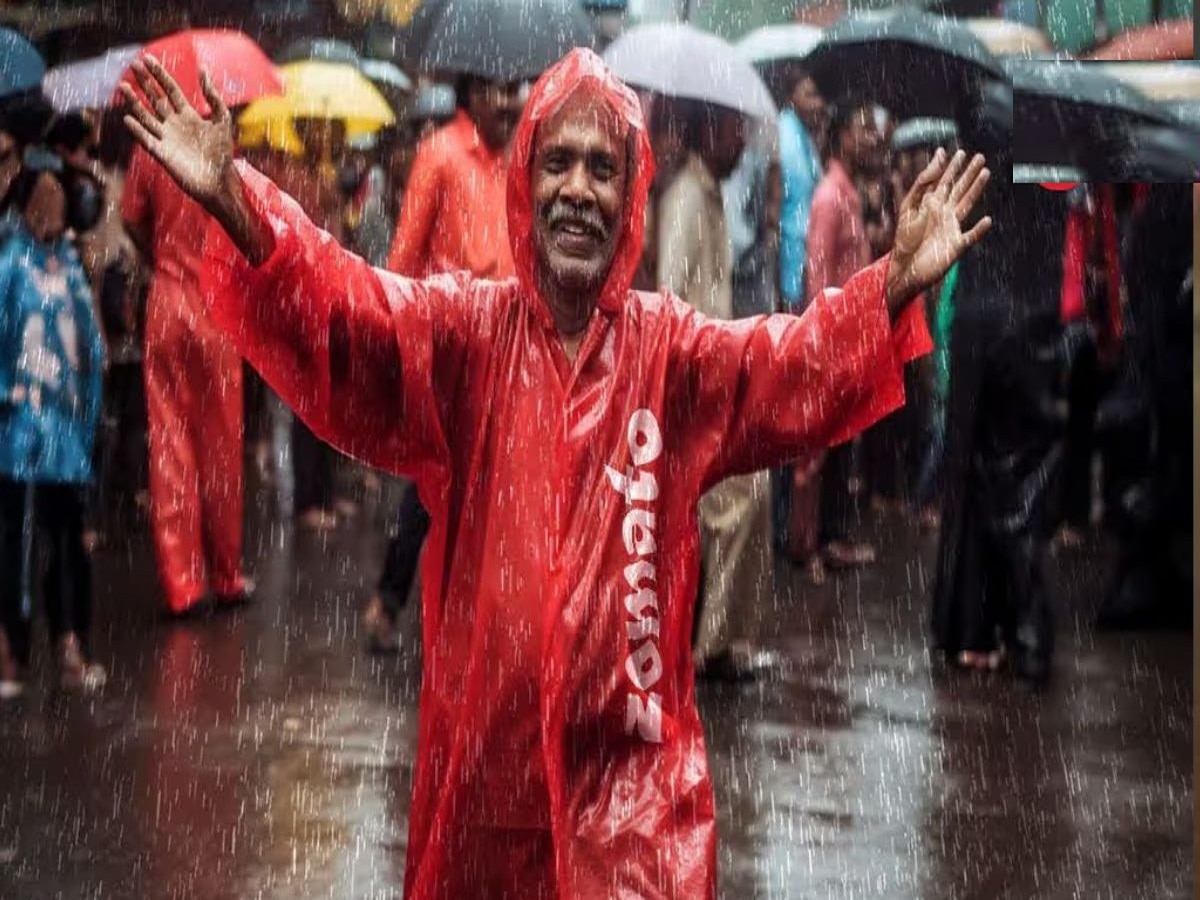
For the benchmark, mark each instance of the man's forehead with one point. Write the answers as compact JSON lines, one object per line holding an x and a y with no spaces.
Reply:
{"x":584,"y":111}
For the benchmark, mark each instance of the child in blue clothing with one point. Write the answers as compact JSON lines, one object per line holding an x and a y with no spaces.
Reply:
{"x":51,"y":362}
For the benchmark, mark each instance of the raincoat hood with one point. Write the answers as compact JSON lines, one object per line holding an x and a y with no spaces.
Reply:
{"x":580,"y":69}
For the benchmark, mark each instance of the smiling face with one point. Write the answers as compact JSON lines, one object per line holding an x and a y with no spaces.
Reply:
{"x":580,"y":171}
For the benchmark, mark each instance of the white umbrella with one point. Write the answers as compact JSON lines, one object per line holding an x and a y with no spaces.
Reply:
{"x":681,"y":61}
{"x":88,"y":82}
{"x":388,"y":74}
{"x":778,"y":43}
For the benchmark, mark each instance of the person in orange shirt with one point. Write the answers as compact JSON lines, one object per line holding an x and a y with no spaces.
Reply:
{"x":453,"y":217}
{"x":193,"y":402}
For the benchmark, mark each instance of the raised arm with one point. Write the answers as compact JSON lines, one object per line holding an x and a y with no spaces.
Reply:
{"x":758,"y":392}
{"x":197,"y":152}
{"x":350,"y":348}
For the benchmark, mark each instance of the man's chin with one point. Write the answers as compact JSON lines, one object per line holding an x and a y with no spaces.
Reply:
{"x":575,"y":277}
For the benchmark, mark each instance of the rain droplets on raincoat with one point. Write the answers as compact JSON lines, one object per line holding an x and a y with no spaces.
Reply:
{"x":560,"y":750}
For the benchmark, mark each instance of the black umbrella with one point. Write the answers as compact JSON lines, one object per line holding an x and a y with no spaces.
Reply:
{"x":403,"y":43}
{"x":913,"y":63}
{"x":1072,"y":113}
{"x":500,"y":40}
{"x":1159,"y":156}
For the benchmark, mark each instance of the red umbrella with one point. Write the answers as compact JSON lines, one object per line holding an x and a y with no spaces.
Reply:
{"x":239,"y":69}
{"x":1160,"y":41}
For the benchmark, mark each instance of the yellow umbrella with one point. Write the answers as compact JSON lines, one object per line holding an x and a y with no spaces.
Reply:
{"x":315,"y":90}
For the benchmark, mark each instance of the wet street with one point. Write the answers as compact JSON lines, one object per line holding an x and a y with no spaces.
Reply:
{"x":264,"y":754}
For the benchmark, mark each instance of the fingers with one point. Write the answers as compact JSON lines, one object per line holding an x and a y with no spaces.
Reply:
{"x":167,"y":84}
{"x":928,"y":175}
{"x":950,"y":174}
{"x":144,"y":137}
{"x":219,"y":111}
{"x":151,"y":89}
{"x":969,"y":200}
{"x":967,"y":178}
{"x":973,"y":237}
{"x":140,"y":114}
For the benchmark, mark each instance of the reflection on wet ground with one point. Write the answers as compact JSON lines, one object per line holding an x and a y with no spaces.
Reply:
{"x":263,"y":754}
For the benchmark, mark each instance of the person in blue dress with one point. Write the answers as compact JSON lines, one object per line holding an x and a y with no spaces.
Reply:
{"x":51,"y":365}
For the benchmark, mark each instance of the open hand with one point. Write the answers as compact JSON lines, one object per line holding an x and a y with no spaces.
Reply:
{"x":196,"y":152}
{"x":929,"y":235}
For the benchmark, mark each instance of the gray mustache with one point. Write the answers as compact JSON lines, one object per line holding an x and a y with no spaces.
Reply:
{"x":563,"y":214}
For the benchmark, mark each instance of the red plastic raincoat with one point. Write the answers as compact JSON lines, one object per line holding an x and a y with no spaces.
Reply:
{"x":560,"y":750}
{"x":193,"y":402}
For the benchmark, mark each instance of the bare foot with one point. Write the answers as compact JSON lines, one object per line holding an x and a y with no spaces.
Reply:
{"x":318,"y":519}
{"x":91,"y":540}
{"x":10,"y":675}
{"x":382,"y":636}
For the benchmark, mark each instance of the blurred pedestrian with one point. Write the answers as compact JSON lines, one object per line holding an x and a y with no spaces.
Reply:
{"x":51,"y":363}
{"x":194,"y":403}
{"x":1005,"y":421}
{"x":838,"y":247}
{"x":803,"y":129}
{"x":695,"y":262}
{"x":452,"y":218}
{"x":919,"y":435}
{"x":1151,"y":513}
{"x":803,"y":139}
{"x":312,"y":178}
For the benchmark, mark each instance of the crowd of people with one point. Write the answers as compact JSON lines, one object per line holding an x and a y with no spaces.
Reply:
{"x":1054,"y":347}
{"x":624,"y":349}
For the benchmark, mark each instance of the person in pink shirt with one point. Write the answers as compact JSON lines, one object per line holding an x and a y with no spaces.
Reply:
{"x":838,"y":246}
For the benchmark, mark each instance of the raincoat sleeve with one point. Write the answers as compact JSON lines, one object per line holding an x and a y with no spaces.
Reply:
{"x":350,"y":348}
{"x":418,"y":213}
{"x":92,"y":344}
{"x":755,"y":393}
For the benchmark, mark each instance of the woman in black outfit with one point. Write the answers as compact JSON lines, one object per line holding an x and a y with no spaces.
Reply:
{"x":1006,"y":418}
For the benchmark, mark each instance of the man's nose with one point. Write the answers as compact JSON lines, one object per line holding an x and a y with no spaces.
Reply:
{"x":577,"y":186}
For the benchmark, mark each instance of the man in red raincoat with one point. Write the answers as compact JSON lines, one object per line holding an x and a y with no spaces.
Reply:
{"x":561,"y":429}
{"x":193,"y":402}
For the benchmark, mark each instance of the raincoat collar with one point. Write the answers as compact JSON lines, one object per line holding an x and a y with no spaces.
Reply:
{"x":471,"y":138}
{"x":580,"y":69}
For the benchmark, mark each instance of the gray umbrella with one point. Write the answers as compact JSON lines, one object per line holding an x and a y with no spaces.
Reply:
{"x":913,"y":63}
{"x":924,"y":132}
{"x":1072,"y":113}
{"x":681,"y":61}
{"x":322,"y":49}
{"x":500,"y":40}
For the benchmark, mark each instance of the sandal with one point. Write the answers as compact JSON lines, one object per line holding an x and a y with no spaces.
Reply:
{"x":78,"y":675}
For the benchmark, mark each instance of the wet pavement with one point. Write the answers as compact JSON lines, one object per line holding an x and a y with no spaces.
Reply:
{"x":264,"y":754}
